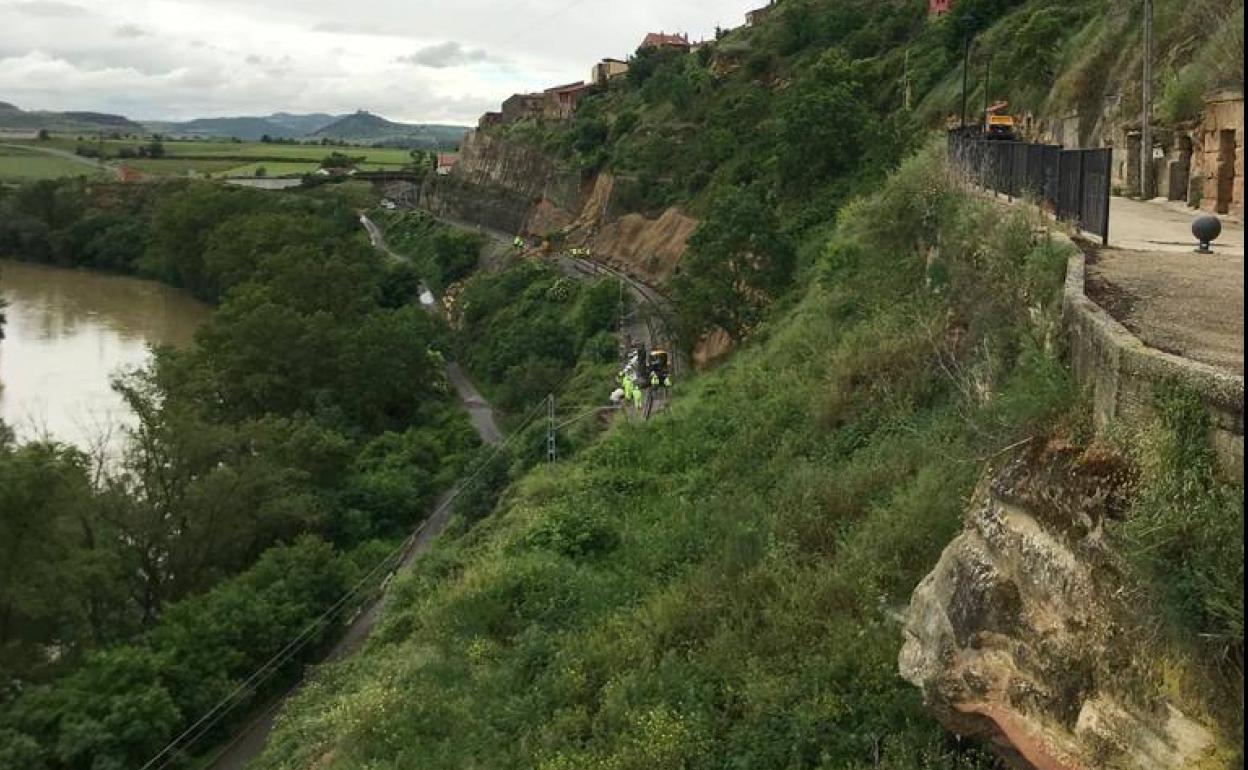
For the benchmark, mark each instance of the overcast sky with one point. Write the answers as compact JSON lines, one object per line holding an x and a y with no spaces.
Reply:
{"x":412,"y":60}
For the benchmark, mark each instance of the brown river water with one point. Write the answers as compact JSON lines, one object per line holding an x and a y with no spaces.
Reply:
{"x":67,"y":333}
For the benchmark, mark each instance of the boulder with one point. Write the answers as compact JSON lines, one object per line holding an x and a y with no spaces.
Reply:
{"x":1022,"y":635}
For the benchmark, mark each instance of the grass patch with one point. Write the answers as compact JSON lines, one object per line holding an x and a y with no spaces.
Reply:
{"x":19,"y":165}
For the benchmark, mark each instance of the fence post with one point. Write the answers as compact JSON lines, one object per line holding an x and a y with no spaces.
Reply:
{"x":1079,"y":217}
{"x":1109,"y":167}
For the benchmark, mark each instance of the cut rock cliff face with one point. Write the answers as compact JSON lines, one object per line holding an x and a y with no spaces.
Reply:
{"x":1020,"y":635}
{"x":515,"y":188}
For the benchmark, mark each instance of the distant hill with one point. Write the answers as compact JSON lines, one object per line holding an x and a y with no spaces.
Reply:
{"x":303,"y":124}
{"x":241,"y":127}
{"x":364,"y":126}
{"x":14,"y":117}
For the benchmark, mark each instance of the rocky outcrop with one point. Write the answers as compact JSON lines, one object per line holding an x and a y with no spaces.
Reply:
{"x":1020,"y":635}
{"x":514,"y":187}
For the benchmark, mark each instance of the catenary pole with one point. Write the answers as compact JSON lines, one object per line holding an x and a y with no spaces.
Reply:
{"x":1146,"y":114}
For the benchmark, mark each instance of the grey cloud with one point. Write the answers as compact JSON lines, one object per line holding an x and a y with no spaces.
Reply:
{"x":448,"y":54}
{"x":351,"y":28}
{"x":130,"y":31}
{"x":50,"y":9}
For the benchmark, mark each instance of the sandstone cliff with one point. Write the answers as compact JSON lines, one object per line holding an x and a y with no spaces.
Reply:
{"x":1022,"y":635}
{"x":514,"y":187}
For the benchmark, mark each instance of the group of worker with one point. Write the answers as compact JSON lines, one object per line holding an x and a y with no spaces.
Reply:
{"x":642,"y":371}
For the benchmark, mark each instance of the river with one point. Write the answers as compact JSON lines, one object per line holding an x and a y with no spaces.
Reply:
{"x":68,"y":331}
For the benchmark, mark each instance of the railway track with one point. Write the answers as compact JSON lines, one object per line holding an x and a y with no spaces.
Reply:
{"x":657,"y":321}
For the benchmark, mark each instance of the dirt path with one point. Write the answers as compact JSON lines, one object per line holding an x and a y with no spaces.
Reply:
{"x":1151,"y":279}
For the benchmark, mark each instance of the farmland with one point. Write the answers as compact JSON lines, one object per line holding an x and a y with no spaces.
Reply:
{"x":219,"y":158}
{"x":19,"y":165}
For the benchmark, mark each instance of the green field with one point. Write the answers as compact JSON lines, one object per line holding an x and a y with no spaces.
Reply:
{"x":225,"y":148}
{"x":24,"y":165}
{"x":214,"y":157}
{"x":273,"y":168}
{"x":180,"y":166}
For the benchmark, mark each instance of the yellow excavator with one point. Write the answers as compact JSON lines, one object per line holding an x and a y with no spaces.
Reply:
{"x":997,"y":126}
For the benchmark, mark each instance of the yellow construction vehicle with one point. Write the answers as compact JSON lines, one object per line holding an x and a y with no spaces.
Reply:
{"x":998,"y":126}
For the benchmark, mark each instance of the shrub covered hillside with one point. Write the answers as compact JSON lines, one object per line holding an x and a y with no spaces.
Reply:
{"x":774,"y":126}
{"x":273,"y":463}
{"x":719,"y":588}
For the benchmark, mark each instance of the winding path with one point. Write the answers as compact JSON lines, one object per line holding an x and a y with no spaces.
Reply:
{"x":250,"y":742}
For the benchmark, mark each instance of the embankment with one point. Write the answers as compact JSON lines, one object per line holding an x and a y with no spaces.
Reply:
{"x":1122,"y":374}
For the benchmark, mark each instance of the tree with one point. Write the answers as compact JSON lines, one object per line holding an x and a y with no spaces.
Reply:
{"x":44,"y":502}
{"x":738,"y":262}
{"x":823,"y":122}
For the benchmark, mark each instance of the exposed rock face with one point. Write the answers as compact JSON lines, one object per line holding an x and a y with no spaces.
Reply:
{"x":1019,"y":635}
{"x":513,"y":187}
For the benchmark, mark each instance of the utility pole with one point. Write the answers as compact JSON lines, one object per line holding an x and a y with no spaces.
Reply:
{"x":987,"y":85}
{"x":1146,"y":115}
{"x":550,"y":428}
{"x":905,"y":82}
{"x":966,"y":57}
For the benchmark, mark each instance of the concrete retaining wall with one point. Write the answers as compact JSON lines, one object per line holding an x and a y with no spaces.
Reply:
{"x":1122,"y":373}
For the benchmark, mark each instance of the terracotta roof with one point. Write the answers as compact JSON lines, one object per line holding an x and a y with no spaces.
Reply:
{"x":577,"y":86}
{"x":659,"y":39}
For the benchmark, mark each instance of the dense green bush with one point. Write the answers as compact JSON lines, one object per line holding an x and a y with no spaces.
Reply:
{"x":1187,"y":526}
{"x":313,"y":402}
{"x":719,"y":587}
{"x":524,"y":330}
{"x":124,"y":703}
{"x":440,"y":255}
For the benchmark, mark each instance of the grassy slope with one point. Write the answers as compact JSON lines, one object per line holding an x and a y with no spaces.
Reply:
{"x":23,"y":165}
{"x":719,"y":587}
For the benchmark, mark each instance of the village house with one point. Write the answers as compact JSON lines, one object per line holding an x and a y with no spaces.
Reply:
{"x":1220,"y":144}
{"x":754,"y":17}
{"x":490,"y":119}
{"x":939,"y":7}
{"x":446,"y":162}
{"x":664,"y":40}
{"x":519,"y":107}
{"x":607,"y":70}
{"x":560,"y":102}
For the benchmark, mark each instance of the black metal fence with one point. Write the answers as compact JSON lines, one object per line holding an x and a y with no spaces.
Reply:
{"x":1074,"y":184}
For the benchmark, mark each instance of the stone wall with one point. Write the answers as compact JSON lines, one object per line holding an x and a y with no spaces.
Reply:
{"x":1123,"y":373}
{"x":1220,"y":145}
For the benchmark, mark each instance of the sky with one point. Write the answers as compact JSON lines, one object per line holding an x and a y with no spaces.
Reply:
{"x":429,"y":61}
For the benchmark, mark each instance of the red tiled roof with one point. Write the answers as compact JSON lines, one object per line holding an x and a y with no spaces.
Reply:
{"x":579,"y":85}
{"x":659,"y":39}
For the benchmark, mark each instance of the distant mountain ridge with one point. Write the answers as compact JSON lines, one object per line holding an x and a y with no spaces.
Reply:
{"x":360,"y":126}
{"x":14,"y":117}
{"x":364,"y":126}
